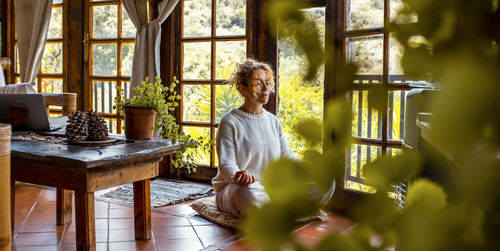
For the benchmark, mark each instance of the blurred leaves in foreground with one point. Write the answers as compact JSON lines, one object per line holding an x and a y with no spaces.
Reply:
{"x":456,"y":43}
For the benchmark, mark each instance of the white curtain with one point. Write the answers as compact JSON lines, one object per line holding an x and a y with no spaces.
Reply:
{"x":22,"y":88}
{"x":32,"y":25}
{"x":2,"y":78}
{"x":16,"y":88}
{"x":147,"y":40}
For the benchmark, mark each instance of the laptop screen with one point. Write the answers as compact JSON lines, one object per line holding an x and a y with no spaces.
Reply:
{"x":24,"y":111}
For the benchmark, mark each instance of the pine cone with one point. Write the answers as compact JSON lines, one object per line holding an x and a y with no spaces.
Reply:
{"x":98,"y":128}
{"x":76,"y":130}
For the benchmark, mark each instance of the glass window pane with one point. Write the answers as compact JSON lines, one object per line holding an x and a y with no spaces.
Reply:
{"x":200,"y":156}
{"x":16,"y":55}
{"x":363,"y":14}
{"x":231,"y":17}
{"x":128,"y":28}
{"x":196,"y":103}
{"x":375,"y":131}
{"x":57,"y":2}
{"x":355,"y":101}
{"x":103,"y":96}
{"x":105,"y":21}
{"x":226,"y":98}
{"x":112,"y":125}
{"x":367,"y":54}
{"x":396,"y":113}
{"x":227,"y":55}
{"x":197,"y":18}
{"x":366,"y":123}
{"x":50,"y":85}
{"x":52,"y":59}
{"x":364,"y":115}
{"x":126,"y":88}
{"x":394,"y":151}
{"x":395,"y":55}
{"x":357,"y":157}
{"x":299,"y":99}
{"x":396,"y":6}
{"x":127,"y":55}
{"x":396,"y":51}
{"x":292,"y":60}
{"x":55,"y":25}
{"x":196,"y":58}
{"x":104,"y":59}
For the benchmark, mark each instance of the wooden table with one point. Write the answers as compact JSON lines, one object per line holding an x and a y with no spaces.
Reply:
{"x":89,"y":169}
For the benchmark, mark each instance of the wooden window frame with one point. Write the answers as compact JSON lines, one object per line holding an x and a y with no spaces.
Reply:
{"x":171,"y":65}
{"x":338,"y":20}
{"x":88,"y":41}
{"x":3,"y":33}
{"x":11,"y":43}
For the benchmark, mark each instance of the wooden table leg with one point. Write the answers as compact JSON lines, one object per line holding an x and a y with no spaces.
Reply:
{"x":85,"y":221}
{"x":64,"y":206}
{"x":142,"y":210}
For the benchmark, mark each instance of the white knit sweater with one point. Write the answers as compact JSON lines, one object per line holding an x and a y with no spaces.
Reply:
{"x":248,"y":142}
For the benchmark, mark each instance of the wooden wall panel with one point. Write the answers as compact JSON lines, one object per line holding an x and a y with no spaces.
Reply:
{"x":74,"y":49}
{"x":10,"y":37}
{"x":262,"y":43}
{"x":3,"y":33}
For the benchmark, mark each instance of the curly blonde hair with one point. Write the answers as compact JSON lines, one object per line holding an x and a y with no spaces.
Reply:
{"x":245,"y":70}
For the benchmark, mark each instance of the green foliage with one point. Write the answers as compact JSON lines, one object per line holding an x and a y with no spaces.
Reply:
{"x":425,"y":194}
{"x":299,"y":101}
{"x":464,"y":61}
{"x":197,"y":108}
{"x":386,"y":170}
{"x":458,"y":47}
{"x":311,"y":130}
{"x":163,"y":99}
{"x":294,"y":24}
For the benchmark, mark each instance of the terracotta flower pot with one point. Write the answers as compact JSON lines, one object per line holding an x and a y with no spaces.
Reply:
{"x":139,"y":122}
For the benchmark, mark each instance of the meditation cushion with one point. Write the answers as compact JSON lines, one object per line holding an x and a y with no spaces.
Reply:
{"x":207,"y":208}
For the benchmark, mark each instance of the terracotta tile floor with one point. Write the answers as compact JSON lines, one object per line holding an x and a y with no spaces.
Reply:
{"x":175,"y":227}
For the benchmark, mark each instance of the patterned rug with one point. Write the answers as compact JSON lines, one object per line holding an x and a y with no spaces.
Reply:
{"x":163,"y":192}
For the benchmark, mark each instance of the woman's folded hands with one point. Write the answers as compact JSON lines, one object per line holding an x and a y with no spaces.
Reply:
{"x":243,"y":178}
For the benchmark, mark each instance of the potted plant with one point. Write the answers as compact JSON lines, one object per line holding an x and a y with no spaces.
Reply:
{"x":162,"y":100}
{"x":144,"y":111}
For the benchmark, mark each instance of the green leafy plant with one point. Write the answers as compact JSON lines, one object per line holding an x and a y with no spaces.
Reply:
{"x":458,"y":46}
{"x":163,"y":99}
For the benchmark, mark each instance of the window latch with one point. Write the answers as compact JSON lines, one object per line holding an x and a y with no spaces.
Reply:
{"x":86,"y":47}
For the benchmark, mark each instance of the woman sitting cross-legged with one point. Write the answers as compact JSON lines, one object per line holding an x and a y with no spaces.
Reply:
{"x":249,"y":137}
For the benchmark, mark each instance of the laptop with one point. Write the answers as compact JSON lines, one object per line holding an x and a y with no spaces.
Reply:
{"x":27,"y":112}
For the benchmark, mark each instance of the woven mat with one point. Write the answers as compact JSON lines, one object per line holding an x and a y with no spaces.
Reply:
{"x":163,"y":192}
{"x":33,"y":136}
